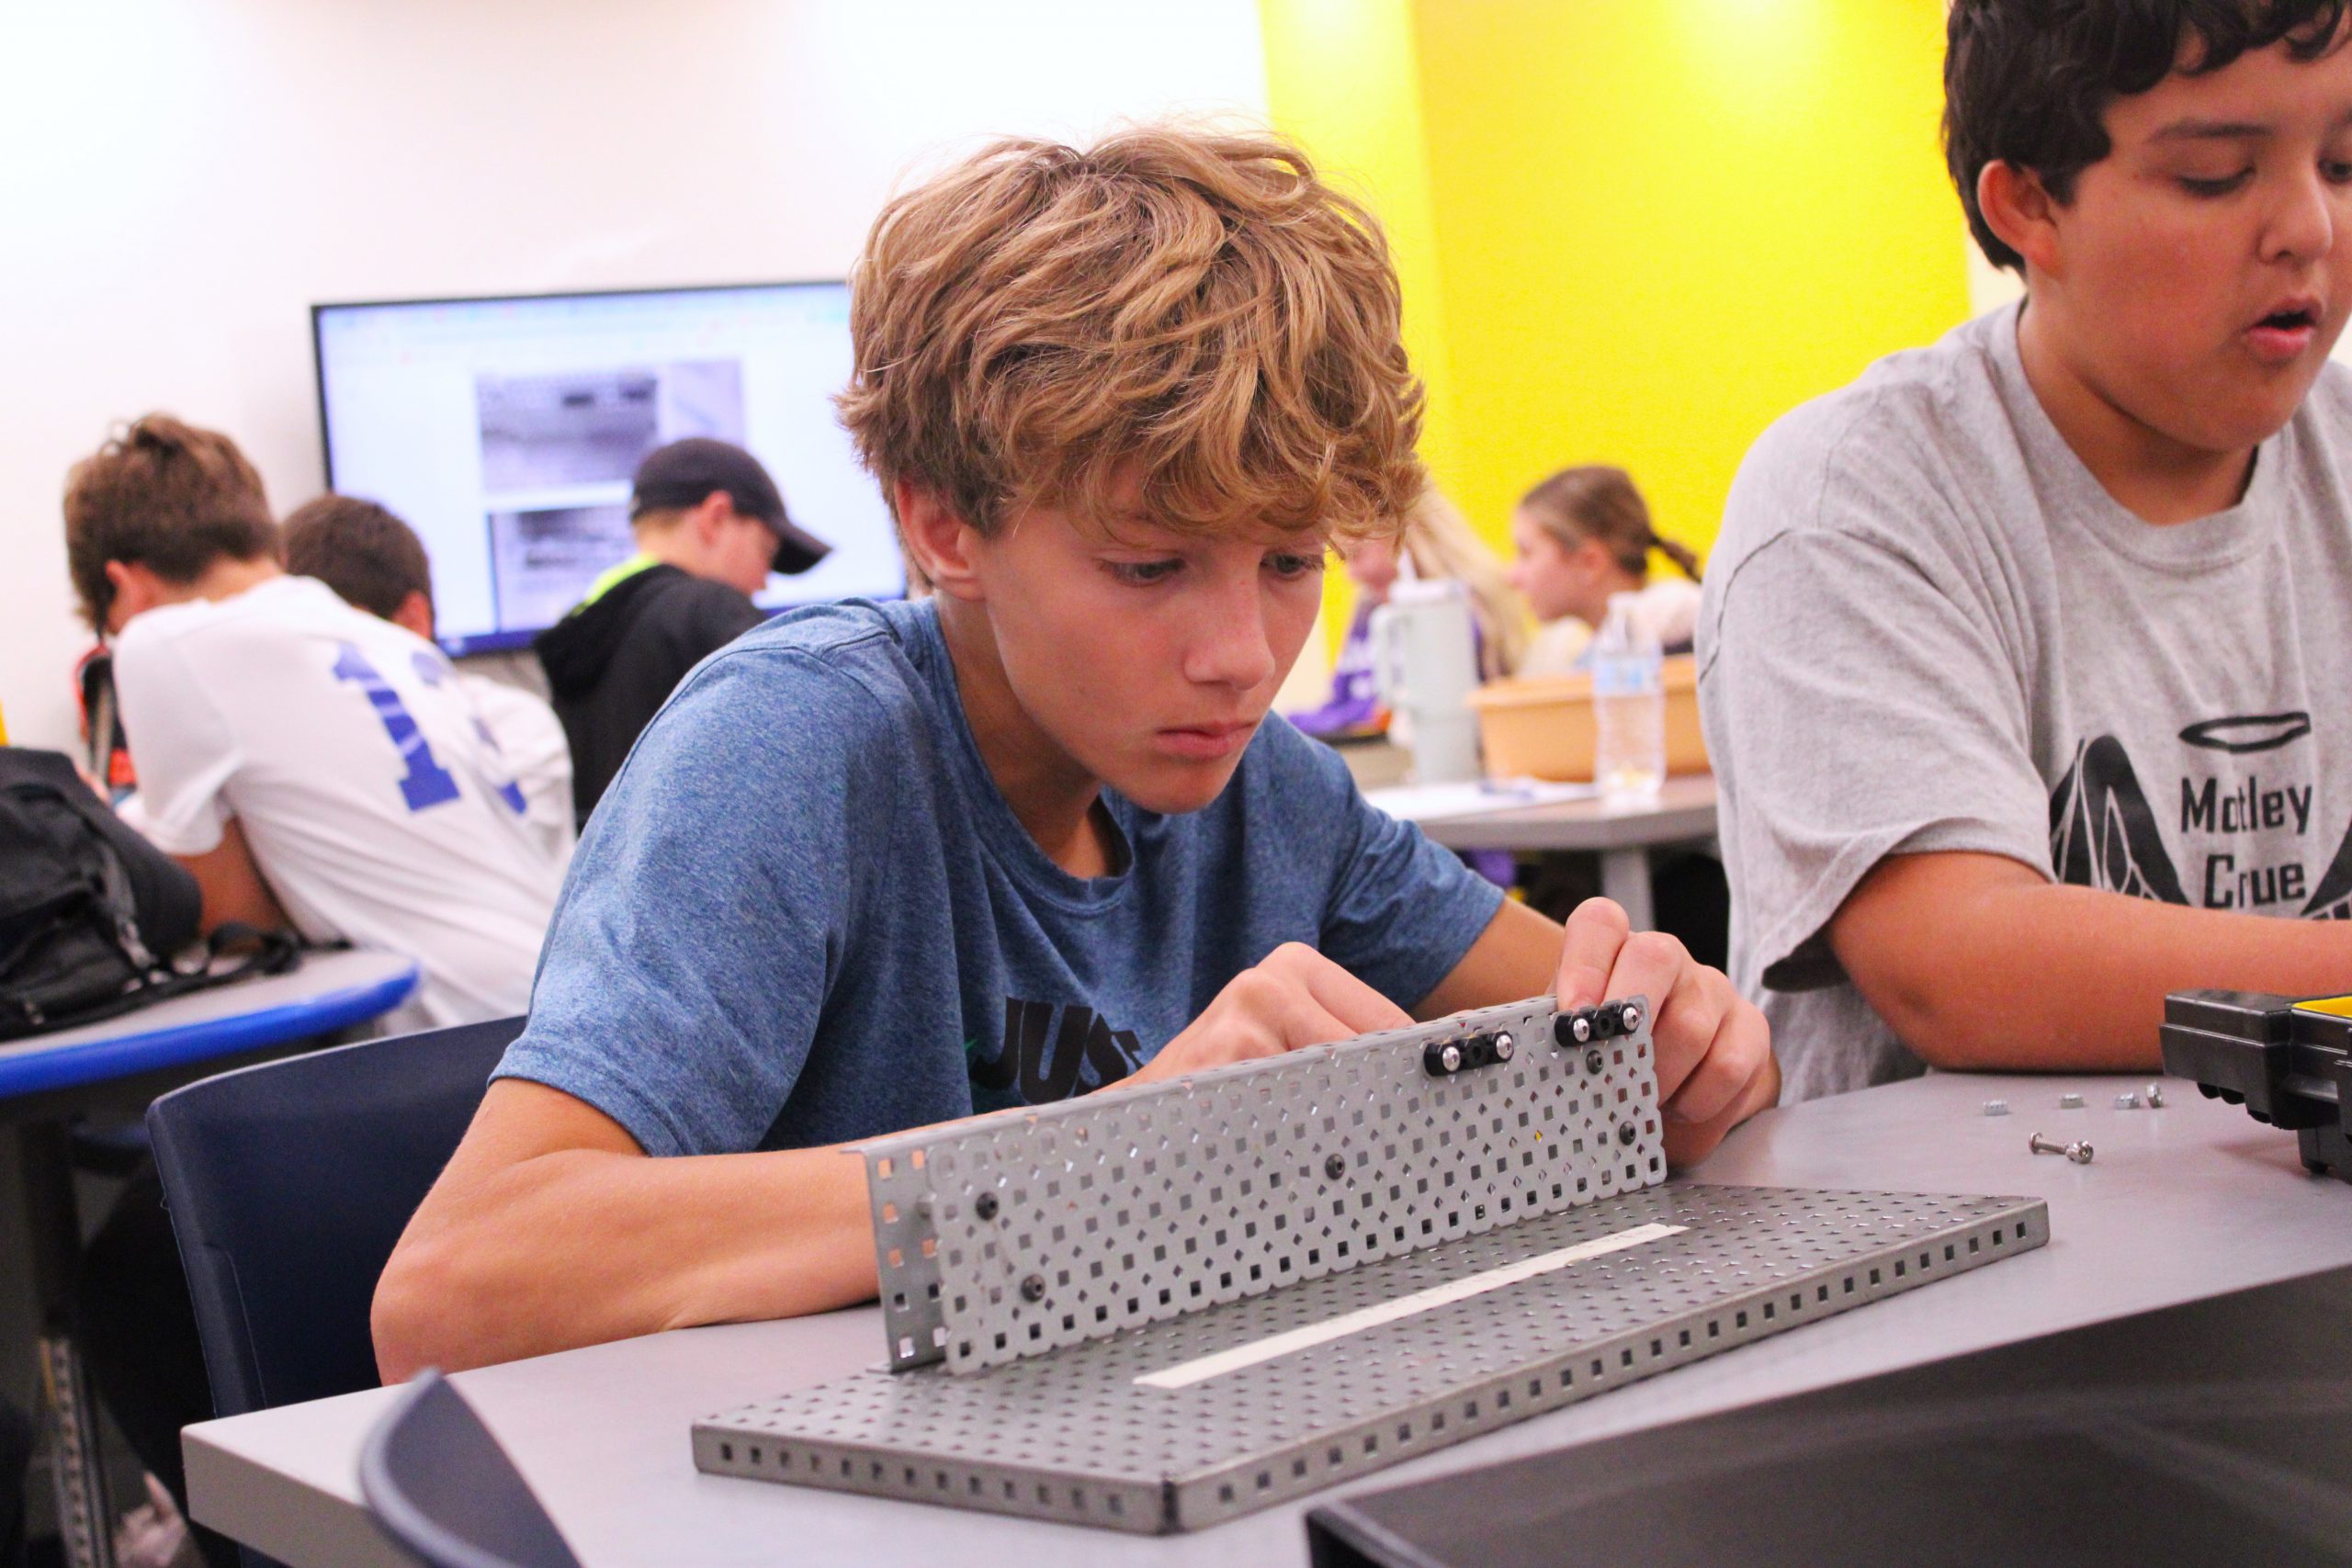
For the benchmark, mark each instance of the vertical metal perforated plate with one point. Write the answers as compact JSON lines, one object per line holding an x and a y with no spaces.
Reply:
{"x":1079,"y":1435}
{"x":1024,"y":1233}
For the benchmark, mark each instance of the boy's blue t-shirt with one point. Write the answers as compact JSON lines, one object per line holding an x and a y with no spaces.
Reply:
{"x":803,"y":914}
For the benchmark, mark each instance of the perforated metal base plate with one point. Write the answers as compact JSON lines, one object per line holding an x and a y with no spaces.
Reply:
{"x":1076,"y":1436}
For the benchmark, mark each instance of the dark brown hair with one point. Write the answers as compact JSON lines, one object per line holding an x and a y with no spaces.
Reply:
{"x":1599,"y":502}
{"x":2028,"y":81}
{"x":1192,"y":310}
{"x":363,"y":552}
{"x":164,"y":495}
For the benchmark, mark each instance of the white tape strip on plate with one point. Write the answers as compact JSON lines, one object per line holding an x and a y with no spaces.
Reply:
{"x":1186,"y":1374}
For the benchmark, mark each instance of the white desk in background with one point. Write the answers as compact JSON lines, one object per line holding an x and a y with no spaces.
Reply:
{"x":2180,"y":1203}
{"x":1623,"y":836}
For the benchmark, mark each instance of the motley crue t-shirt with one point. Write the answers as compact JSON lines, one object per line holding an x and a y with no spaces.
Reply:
{"x":804,"y":913}
{"x":1927,"y":627}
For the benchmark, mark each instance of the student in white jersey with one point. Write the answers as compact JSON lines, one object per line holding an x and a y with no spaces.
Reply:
{"x":374,"y":562}
{"x":2023,"y":659}
{"x":312,"y":765}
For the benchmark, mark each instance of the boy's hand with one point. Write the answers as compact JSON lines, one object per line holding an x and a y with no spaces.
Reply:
{"x":1715,"y":1066}
{"x":1295,"y":999}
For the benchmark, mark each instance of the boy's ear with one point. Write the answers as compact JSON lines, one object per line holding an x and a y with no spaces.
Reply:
{"x":710,"y":516}
{"x":2018,"y":209}
{"x":940,"y":542}
{"x":415,"y":614}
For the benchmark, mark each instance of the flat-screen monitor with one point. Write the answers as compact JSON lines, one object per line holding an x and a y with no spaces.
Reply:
{"x":505,"y":430}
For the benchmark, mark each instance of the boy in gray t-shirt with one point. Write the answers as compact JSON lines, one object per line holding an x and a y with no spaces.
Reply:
{"x":2023,"y":659}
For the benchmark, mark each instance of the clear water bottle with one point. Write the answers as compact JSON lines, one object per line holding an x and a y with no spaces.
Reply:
{"x":1628,"y":707}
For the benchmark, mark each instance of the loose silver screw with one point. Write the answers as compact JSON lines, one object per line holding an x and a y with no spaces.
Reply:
{"x":2079,"y":1152}
{"x":1504,"y":1047}
{"x":2127,"y":1103}
{"x":2070,"y":1102}
{"x":1996,"y":1108}
{"x":2155,"y":1097}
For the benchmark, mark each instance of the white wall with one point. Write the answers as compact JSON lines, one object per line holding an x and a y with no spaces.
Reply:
{"x":179,"y":180}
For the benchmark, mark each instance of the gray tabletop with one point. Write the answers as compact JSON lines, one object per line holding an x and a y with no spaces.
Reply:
{"x":2180,"y":1203}
{"x":1684,"y":812}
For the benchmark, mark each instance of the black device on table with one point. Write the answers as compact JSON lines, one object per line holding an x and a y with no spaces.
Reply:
{"x":2289,"y":1062}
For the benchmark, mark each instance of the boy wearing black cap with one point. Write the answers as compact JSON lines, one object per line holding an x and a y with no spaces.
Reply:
{"x":710,"y":526}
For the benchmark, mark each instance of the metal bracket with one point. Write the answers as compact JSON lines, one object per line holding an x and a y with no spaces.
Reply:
{"x":1019,"y":1234}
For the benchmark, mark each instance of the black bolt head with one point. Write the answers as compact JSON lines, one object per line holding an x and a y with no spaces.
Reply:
{"x":1033,"y":1289}
{"x":985,"y":1205}
{"x":1594,"y":1061}
{"x":1335,"y":1168}
{"x":1625,"y":1133}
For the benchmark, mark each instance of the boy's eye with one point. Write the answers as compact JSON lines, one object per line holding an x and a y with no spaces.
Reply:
{"x":2214,"y":187}
{"x":1289,"y":565}
{"x":2335,"y":171}
{"x":1142,"y":574}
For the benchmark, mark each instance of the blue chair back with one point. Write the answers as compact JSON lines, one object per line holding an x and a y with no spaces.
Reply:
{"x":438,"y":1483}
{"x":290,"y":1182}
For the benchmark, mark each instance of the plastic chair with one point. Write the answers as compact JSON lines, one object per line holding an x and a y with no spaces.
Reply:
{"x":438,"y":1483}
{"x":288,"y":1184}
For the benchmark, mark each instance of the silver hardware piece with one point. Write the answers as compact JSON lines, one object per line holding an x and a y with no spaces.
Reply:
{"x":1451,"y":1057}
{"x":1505,"y":1046}
{"x":2070,"y":1102}
{"x":1632,"y":1014}
{"x":1167,"y":1223}
{"x":1072,"y":1437}
{"x":1996,"y":1108}
{"x":1581,"y":1027}
{"x":2155,"y":1097}
{"x":2079,"y":1152}
{"x":2127,"y":1103}
{"x":1167,"y":1199}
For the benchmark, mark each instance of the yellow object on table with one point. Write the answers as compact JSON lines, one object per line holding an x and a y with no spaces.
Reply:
{"x":1544,"y":728}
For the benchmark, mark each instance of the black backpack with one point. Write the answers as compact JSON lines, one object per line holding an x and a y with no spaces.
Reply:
{"x":93,"y":920}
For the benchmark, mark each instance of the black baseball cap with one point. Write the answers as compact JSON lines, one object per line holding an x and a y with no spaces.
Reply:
{"x":684,"y":473}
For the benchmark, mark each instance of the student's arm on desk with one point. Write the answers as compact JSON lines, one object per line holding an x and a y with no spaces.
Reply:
{"x":550,"y":1228}
{"x":232,"y":884}
{"x":1981,"y":964}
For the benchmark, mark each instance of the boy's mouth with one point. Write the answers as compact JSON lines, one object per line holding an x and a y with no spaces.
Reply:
{"x":2285,"y":332}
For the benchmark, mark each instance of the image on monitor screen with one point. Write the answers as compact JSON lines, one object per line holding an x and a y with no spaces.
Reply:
{"x":505,"y":430}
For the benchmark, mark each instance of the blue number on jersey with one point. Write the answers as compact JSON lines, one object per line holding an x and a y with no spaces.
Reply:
{"x":427,"y":782}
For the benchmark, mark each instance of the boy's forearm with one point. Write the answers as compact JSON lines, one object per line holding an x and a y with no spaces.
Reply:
{"x":1980,"y":964}
{"x":580,"y":1247}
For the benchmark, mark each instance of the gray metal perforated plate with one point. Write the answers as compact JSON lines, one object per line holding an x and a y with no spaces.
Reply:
{"x":1136,"y":1206}
{"x":1075,"y":1436}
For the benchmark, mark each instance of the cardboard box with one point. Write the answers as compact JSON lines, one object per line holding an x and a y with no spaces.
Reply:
{"x":1544,"y":728}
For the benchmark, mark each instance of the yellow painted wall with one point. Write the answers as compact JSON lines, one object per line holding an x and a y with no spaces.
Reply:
{"x":1652,"y":226}
{"x":1343,"y":81}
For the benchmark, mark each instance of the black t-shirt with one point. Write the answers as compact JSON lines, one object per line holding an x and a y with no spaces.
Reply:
{"x":613,"y":662}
